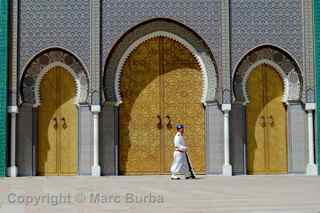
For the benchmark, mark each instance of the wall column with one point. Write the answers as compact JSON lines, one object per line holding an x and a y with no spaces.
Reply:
{"x":95,"y":79}
{"x":297,"y":140}
{"x":96,"y":170}
{"x":12,"y":108}
{"x":237,"y":119}
{"x":227,"y":168}
{"x":309,"y":81}
{"x":214,"y":139}
{"x":13,"y":170}
{"x":312,"y":168}
{"x":109,"y":139}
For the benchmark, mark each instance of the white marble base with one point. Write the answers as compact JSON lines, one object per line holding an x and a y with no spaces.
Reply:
{"x":12,"y":171}
{"x":96,"y":171}
{"x":227,"y":170}
{"x":312,"y":170}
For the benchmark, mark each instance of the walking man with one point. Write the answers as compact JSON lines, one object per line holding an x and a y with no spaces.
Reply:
{"x":179,"y":164}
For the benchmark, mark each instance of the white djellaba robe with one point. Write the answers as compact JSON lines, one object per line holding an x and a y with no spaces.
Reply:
{"x":179,"y":164}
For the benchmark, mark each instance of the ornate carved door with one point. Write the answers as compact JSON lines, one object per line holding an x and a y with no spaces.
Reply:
{"x":181,"y":102}
{"x":161,"y":85}
{"x":57,"y":125}
{"x":140,"y":90}
{"x":266,"y":123}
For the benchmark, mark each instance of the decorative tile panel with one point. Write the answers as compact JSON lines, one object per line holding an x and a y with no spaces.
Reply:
{"x":259,"y":22}
{"x":202,"y":16}
{"x":59,"y":23}
{"x":309,"y":51}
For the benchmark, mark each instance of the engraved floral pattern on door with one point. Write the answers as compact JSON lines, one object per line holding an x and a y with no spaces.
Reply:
{"x":161,"y":84}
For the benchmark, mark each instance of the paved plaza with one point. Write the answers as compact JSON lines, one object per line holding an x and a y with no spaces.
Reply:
{"x":81,"y":194}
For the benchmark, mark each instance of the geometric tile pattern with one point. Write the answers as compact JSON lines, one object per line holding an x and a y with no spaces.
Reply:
{"x":13,"y":90}
{"x":95,"y":51}
{"x":260,"y":22}
{"x":308,"y":51}
{"x":225,"y":53}
{"x":59,"y":23}
{"x":66,"y":23}
{"x":202,"y":16}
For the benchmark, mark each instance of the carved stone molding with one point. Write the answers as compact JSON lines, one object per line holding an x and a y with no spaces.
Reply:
{"x":280,"y":61}
{"x":42,"y":63}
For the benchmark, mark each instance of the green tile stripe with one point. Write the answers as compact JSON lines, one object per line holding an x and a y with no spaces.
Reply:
{"x":3,"y":84}
{"x":316,"y":13}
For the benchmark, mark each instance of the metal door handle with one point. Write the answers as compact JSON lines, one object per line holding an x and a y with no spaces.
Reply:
{"x":55,"y":125}
{"x":169,"y":125}
{"x":64,"y":125}
{"x":270,"y":120}
{"x":159,"y":124}
{"x":262,"y":121}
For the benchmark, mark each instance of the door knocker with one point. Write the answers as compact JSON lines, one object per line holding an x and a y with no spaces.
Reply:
{"x":271,"y":121}
{"x":64,"y":125}
{"x":159,"y":124}
{"x":55,"y":125}
{"x":262,"y":121}
{"x":169,"y":125}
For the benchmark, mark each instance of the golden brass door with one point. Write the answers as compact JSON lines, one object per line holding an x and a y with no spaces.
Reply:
{"x":181,"y":102}
{"x":161,"y":85}
{"x":57,"y":123}
{"x":266,"y":123}
{"x":139,"y":136}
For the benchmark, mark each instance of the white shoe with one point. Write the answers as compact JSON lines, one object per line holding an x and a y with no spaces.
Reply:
{"x":174,"y":177}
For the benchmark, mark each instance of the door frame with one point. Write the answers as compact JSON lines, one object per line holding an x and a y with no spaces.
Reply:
{"x":39,"y":78}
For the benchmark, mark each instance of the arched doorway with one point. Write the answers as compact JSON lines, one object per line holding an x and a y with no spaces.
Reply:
{"x":161,"y":85}
{"x":57,"y":124}
{"x":266,"y":122}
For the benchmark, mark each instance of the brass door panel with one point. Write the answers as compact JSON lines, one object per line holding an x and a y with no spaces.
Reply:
{"x":276,"y":120}
{"x":256,"y":122}
{"x":57,"y":124}
{"x":266,"y":123}
{"x":47,"y":131}
{"x":139,"y":149}
{"x":161,"y":84}
{"x":182,"y":90}
{"x":68,"y":124}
